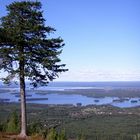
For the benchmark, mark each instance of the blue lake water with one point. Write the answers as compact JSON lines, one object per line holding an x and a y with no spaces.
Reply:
{"x":73,"y":99}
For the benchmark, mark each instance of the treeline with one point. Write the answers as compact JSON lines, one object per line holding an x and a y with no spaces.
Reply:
{"x":35,"y":130}
{"x":38,"y":131}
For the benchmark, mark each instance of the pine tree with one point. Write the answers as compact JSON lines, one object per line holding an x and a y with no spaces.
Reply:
{"x":52,"y":135}
{"x":13,"y":123}
{"x":62,"y":135}
{"x":26,"y":49}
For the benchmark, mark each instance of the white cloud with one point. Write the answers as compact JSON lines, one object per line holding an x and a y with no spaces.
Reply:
{"x":96,"y":75}
{"x":100,"y":75}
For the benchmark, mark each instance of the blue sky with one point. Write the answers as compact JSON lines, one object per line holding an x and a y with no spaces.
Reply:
{"x":102,"y":37}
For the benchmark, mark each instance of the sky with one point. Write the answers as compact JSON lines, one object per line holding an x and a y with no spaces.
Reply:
{"x":102,"y":37}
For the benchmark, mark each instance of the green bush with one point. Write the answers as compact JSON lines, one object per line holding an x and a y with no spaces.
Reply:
{"x":53,"y":135}
{"x":13,"y":123}
{"x":34,"y":128}
{"x":62,"y":135}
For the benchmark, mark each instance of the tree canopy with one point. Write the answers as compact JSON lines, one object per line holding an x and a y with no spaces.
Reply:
{"x":24,"y":36}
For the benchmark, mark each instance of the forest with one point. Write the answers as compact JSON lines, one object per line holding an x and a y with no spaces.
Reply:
{"x":77,"y":123}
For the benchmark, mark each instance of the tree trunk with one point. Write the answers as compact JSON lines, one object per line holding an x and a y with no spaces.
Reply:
{"x":23,"y":98}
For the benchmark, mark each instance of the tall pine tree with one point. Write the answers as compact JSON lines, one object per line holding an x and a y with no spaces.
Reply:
{"x":26,"y":49}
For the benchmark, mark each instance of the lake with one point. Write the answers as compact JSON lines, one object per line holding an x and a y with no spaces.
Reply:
{"x":38,"y":96}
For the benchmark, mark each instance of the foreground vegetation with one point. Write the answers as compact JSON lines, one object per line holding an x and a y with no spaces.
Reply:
{"x":89,"y":122}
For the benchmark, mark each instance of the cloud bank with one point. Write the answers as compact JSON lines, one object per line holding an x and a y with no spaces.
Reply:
{"x":100,"y":75}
